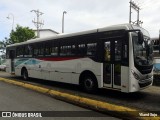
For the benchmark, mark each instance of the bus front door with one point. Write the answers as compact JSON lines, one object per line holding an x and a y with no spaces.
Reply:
{"x":112,"y":64}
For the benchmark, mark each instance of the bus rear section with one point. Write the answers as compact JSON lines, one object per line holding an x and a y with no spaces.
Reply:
{"x":10,"y":60}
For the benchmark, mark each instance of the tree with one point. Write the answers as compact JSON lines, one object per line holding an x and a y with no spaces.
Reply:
{"x":21,"y":34}
{"x":3,"y":45}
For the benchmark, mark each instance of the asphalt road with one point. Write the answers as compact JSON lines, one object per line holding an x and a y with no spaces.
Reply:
{"x":147,"y":99}
{"x":15,"y":98}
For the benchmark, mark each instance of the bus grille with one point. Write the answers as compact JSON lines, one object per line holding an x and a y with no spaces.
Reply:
{"x":145,"y":84}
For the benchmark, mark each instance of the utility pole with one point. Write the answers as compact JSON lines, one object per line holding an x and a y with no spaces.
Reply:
{"x":37,"y":23}
{"x":137,"y":9}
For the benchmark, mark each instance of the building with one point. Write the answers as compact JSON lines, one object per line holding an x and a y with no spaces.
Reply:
{"x":46,"y":33}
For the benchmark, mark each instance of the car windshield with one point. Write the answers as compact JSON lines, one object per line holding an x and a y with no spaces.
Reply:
{"x":143,"y":53}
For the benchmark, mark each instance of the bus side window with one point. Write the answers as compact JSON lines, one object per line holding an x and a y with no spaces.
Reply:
{"x":125,"y":51}
{"x":35,"y":52}
{"x":48,"y":48}
{"x":40,"y":51}
{"x":73,"y":50}
{"x":48,"y":51}
{"x":63,"y":50}
{"x":118,"y":50}
{"x":54,"y":51}
{"x":19,"y":51}
{"x":107,"y":55}
{"x":68,"y":50}
{"x":28,"y":51}
{"x":91,"y":49}
{"x":82,"y":50}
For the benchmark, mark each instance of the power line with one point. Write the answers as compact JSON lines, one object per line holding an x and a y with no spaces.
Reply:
{"x":37,"y":23}
{"x":149,"y":3}
{"x":137,"y":9}
{"x":146,"y":2}
{"x":151,"y":6}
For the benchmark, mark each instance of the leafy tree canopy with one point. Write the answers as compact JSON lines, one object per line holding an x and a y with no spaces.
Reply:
{"x":21,"y":34}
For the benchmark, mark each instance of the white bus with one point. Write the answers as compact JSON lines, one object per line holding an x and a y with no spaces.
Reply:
{"x":117,"y":57}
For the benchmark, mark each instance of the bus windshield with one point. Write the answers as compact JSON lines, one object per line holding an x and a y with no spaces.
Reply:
{"x":143,"y":53}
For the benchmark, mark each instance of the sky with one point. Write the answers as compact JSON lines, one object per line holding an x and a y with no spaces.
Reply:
{"x":81,"y":14}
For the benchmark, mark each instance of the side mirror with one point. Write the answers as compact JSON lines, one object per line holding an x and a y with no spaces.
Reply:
{"x":140,"y":37}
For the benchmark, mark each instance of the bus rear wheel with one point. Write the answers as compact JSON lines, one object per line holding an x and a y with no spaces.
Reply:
{"x":89,"y":84}
{"x":25,"y":74}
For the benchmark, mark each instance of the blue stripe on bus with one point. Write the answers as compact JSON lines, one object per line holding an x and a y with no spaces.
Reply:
{"x":27,"y":62}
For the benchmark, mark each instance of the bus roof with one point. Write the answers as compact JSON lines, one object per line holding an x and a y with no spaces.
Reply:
{"x":109,"y":28}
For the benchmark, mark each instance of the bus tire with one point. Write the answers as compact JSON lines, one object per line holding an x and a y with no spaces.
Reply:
{"x":89,"y":83}
{"x":25,"y":74}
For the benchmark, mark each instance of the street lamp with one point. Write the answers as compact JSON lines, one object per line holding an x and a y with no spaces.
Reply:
{"x":10,"y":14}
{"x":64,"y":12}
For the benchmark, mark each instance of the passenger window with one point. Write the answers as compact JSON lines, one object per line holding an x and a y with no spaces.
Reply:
{"x":82,"y":49}
{"x":35,"y":52}
{"x":107,"y":49}
{"x":67,"y":50}
{"x":28,"y":51}
{"x":47,"y":51}
{"x":91,"y":49}
{"x":125,"y":51}
{"x":118,"y":50}
{"x":40,"y":51}
{"x":73,"y":50}
{"x":54,"y":51}
{"x":19,"y":51}
{"x":63,"y":50}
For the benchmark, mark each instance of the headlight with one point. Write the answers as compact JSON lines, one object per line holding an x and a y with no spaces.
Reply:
{"x":136,"y":76}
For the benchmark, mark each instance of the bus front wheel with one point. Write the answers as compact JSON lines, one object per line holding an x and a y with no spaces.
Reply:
{"x":25,"y":74}
{"x":89,"y":84}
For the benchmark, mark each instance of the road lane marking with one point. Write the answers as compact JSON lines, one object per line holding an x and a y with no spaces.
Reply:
{"x":82,"y":101}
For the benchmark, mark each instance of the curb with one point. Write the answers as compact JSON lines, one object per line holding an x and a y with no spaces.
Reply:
{"x":114,"y":110}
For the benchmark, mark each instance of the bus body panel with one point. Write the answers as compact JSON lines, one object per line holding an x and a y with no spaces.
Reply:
{"x":125,"y":79}
{"x":62,"y":71}
{"x":8,"y":66}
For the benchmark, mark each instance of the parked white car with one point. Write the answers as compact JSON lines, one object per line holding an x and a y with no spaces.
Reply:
{"x":3,"y":67}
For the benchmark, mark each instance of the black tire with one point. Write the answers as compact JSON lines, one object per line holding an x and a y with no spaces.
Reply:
{"x":25,"y":74}
{"x":89,"y":84}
